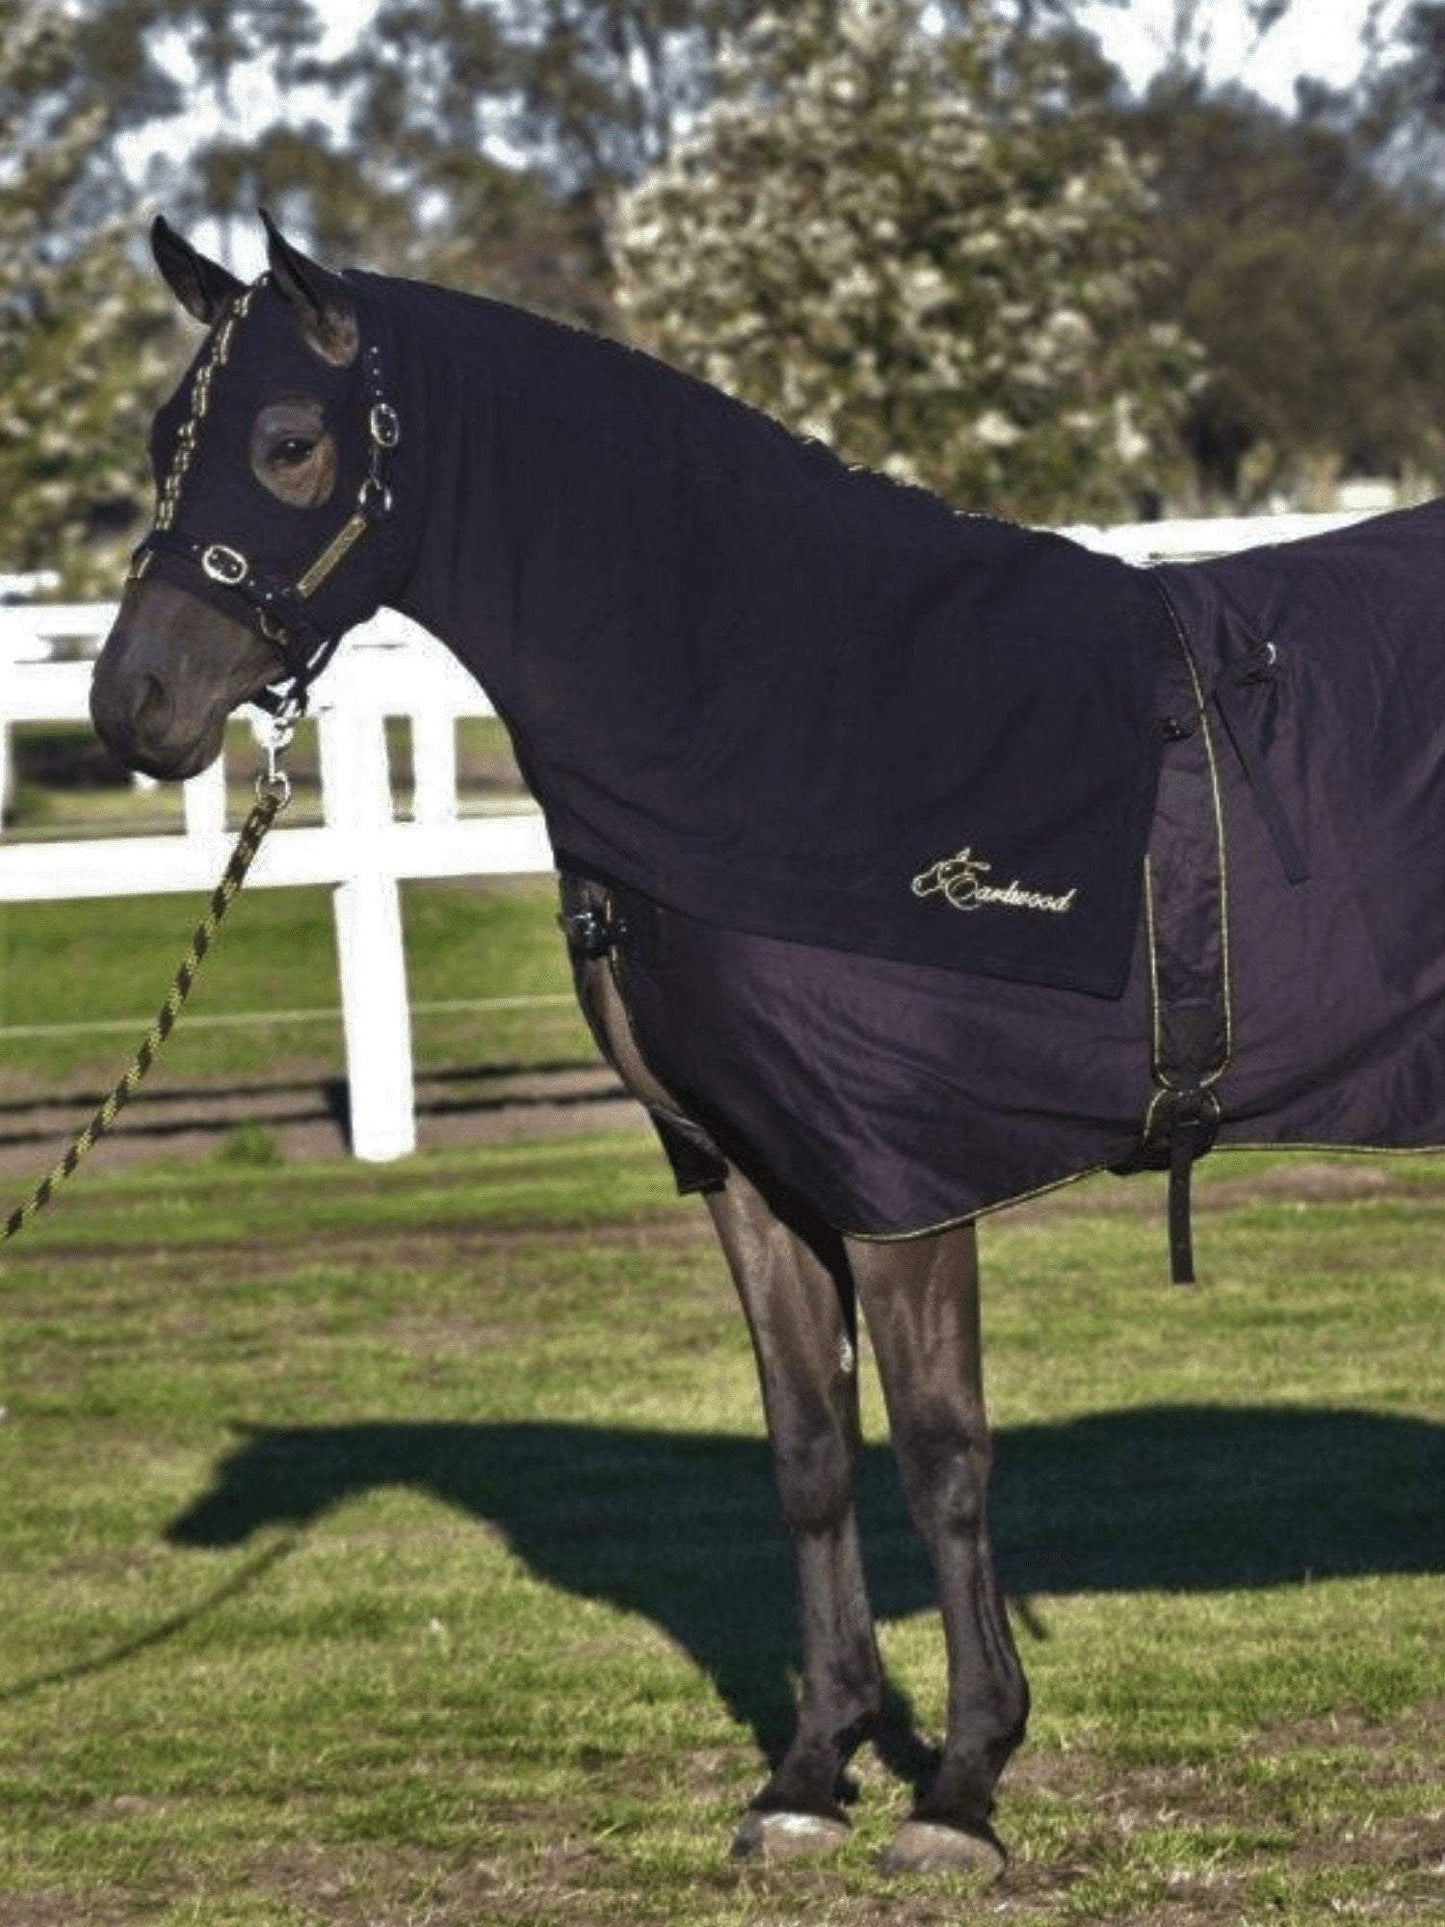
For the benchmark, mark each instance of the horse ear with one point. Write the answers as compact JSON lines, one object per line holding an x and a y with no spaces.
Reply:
{"x":321,"y":300}
{"x":202,"y":287}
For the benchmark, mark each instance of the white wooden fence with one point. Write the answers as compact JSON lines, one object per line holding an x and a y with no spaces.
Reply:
{"x":363,"y":850}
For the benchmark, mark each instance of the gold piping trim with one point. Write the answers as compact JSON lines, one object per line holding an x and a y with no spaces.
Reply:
{"x":1152,"y":940}
{"x":1095,"y":1170}
{"x":335,"y":552}
{"x":1222,"y":844}
{"x":972,"y":1217}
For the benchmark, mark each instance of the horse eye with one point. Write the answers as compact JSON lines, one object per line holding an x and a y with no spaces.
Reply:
{"x":293,"y":453}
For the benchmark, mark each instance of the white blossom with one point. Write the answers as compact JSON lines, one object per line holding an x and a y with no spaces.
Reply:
{"x":994,"y":429}
{"x":921,"y":249}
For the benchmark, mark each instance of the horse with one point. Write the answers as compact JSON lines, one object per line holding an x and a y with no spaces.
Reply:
{"x":910,"y":862}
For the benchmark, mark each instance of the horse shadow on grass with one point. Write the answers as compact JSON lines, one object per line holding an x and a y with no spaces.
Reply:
{"x":683,"y":1528}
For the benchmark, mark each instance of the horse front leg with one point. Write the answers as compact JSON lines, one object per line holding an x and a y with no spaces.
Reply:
{"x":920,"y":1300}
{"x":794,"y":1284}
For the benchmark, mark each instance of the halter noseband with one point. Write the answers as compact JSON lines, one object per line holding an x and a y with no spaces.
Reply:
{"x":303,"y":646}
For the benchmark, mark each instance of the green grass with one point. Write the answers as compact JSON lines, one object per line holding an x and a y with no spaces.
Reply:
{"x":397,"y":1545}
{"x":70,"y":963}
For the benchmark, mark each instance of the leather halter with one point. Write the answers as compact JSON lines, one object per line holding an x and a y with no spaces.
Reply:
{"x":303,"y":645}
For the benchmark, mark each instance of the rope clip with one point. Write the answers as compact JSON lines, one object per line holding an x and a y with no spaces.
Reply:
{"x":280,"y":728}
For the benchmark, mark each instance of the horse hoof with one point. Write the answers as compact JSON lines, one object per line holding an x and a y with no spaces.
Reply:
{"x":924,"y":1846}
{"x":787,"y":1836}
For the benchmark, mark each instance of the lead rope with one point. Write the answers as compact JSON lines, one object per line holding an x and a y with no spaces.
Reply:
{"x":273,"y":793}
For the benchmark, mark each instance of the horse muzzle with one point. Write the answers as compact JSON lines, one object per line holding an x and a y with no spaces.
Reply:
{"x":171,"y":671}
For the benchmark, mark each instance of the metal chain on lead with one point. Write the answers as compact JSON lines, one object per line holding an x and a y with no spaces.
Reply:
{"x":273,"y":792}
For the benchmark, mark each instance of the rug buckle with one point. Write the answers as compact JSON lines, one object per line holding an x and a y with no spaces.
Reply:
{"x":591,"y":932}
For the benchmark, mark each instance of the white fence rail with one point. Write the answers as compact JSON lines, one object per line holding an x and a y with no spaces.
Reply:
{"x":362,"y":850}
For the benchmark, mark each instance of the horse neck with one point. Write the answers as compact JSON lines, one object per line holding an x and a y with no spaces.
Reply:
{"x":611,"y":548}
{"x":524,"y":479}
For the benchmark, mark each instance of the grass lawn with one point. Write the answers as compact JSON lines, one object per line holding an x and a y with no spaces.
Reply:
{"x":397,"y":1546}
{"x":64,"y":964}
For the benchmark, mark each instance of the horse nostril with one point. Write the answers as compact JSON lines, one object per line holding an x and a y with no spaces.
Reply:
{"x":149,"y":706}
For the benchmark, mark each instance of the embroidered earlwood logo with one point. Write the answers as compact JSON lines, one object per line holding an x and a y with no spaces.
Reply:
{"x":960,"y":881}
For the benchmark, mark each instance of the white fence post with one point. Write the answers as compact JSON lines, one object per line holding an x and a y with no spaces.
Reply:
{"x":203,"y":799}
{"x":371,"y":955}
{"x":10,"y":655}
{"x":434,"y":766}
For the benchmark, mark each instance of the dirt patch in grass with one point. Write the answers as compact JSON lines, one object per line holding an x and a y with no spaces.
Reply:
{"x":1221,"y":1850}
{"x":1411,"y":1748}
{"x":1351,"y":1728}
{"x":366,"y":1887}
{"x":1299,"y":1180}
{"x":1225,"y":1802}
{"x":72,"y":1907}
{"x":450,"y":1243}
{"x":306,"y":1116}
{"x":1413,"y":1843}
{"x":278,"y":1255}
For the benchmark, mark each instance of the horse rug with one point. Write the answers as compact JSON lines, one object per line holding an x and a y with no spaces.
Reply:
{"x":1285,"y":954}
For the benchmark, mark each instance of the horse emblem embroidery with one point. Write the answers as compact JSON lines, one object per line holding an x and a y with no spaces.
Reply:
{"x":959,"y":880}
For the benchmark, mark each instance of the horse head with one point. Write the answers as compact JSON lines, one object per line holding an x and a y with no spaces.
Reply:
{"x":270,"y":467}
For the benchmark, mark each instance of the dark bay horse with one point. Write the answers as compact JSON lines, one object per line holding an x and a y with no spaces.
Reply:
{"x":735,"y":729}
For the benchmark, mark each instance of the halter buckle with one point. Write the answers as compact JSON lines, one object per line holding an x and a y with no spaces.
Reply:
{"x":385,"y":425}
{"x":225,"y":565}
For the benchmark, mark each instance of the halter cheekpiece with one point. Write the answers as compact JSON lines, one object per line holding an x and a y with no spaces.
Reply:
{"x":303,"y":646}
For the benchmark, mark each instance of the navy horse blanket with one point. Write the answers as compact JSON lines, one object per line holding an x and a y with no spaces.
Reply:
{"x":949,"y":860}
{"x":1298,"y":881}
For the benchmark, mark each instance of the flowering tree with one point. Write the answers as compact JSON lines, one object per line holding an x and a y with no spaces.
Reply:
{"x":920,"y":244}
{"x":85,"y":340}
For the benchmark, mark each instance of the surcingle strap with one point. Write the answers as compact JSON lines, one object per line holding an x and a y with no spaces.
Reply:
{"x":1182,"y":1154}
{"x":1186,"y":925}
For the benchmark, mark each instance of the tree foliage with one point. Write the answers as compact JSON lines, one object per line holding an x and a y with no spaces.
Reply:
{"x":84,"y":338}
{"x":1316,"y":286}
{"x":479,"y":139}
{"x":962,"y":251}
{"x":922,"y":247}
